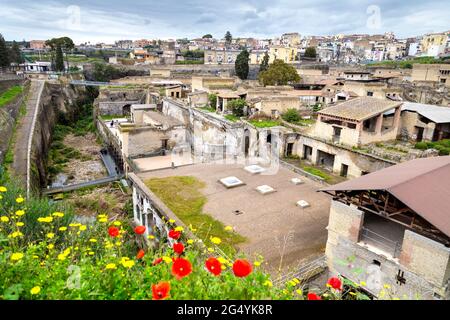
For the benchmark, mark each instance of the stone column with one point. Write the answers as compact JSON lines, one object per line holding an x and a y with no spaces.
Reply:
{"x":379,"y":124}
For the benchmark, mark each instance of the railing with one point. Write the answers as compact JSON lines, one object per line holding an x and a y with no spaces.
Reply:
{"x":387,"y":245}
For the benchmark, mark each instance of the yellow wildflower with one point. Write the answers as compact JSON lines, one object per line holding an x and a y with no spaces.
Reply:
{"x":190,"y":241}
{"x":268,"y":283}
{"x":299,"y":291}
{"x":4,"y":219}
{"x":179,"y":228}
{"x":93,"y":240}
{"x":215,"y":240}
{"x":126,"y":262}
{"x":257,"y":263}
{"x":45,"y":219}
{"x":16,"y":256}
{"x":35,"y":290}
{"x":167,"y":259}
{"x":50,"y":246}
{"x":103,"y":220}
{"x":58,"y":214}
{"x":117,"y":223}
{"x":171,"y":221}
{"x":50,"y":235}
{"x":118,"y":243}
{"x":228,"y":228}
{"x":61,"y":256}
{"x":101,"y":216}
{"x":150,"y":236}
{"x":74,"y":225}
{"x":15,"y":234}
{"x":352,"y":293}
{"x":91,"y":253}
{"x":111,"y":266}
{"x":210,"y":250}
{"x":82,"y":227}
{"x":386,"y":286}
{"x":20,"y":213}
{"x":20,"y":200}
{"x":362,"y":283}
{"x":3,"y":189}
{"x":62,"y":228}
{"x":20,"y":224}
{"x":222,"y":260}
{"x":1,"y":197}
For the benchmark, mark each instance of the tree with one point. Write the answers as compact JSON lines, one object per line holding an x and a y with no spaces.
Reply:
{"x":237,"y":107}
{"x":279,"y":73}
{"x":64,"y":43}
{"x":291,"y":115}
{"x":59,"y":60}
{"x":4,"y":54}
{"x":264,"y":63}
{"x":241,"y":65}
{"x":212,"y":98}
{"x":15,"y":54}
{"x":310,"y":52}
{"x":228,"y":37}
{"x":207,"y":36}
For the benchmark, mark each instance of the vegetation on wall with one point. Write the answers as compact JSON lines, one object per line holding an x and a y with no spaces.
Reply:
{"x":291,"y":115}
{"x":443,"y":146}
{"x":10,"y":94}
{"x":237,"y":107}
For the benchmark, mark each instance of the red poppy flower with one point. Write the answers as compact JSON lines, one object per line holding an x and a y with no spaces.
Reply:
{"x":157,"y":261}
{"x":113,"y":231}
{"x":242,"y":268}
{"x":335,"y":283}
{"x":140,"y":254}
{"x":313,"y":296}
{"x":161,"y":290}
{"x":214,"y":266}
{"x":174,"y":234}
{"x":181,"y":267}
{"x":139,"y":229}
{"x":178,"y":248}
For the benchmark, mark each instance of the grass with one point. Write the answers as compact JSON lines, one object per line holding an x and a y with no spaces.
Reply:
{"x":9,"y":95}
{"x":111,"y":117}
{"x":189,"y":62}
{"x":305,"y":122}
{"x":443,"y":146}
{"x":317,"y":172}
{"x":207,"y":109}
{"x":182,"y":194}
{"x":264,"y":123}
{"x":232,"y":117}
{"x":407,"y":64}
{"x":72,"y":58}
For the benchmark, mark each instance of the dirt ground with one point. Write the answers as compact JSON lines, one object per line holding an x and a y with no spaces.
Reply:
{"x":89,"y":166}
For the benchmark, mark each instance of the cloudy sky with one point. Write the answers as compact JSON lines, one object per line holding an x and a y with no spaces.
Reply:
{"x":106,"y":21}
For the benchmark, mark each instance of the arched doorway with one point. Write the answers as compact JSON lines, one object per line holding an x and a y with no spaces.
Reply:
{"x":126,"y":110}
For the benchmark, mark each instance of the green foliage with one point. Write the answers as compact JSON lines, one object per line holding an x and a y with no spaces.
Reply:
{"x":207,"y":36}
{"x":443,"y":146}
{"x":291,"y":115}
{"x":408,"y":64}
{"x":241,"y":65}
{"x":195,"y":54}
{"x":228,"y":37}
{"x":105,"y":72}
{"x":310,"y":52}
{"x":9,"y":95}
{"x":189,"y":62}
{"x":317,"y":172}
{"x":183,"y":196}
{"x":279,"y":73}
{"x":208,"y":109}
{"x":264,"y":123}
{"x":264,"y":63}
{"x":237,"y":107}
{"x":59,"y":60}
{"x":212,"y":98}
{"x":232,"y":117}
{"x":4,"y":54}
{"x":15,"y":54}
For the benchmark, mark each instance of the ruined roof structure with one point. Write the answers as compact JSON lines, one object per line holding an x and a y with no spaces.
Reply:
{"x":360,"y":109}
{"x":423,"y":185}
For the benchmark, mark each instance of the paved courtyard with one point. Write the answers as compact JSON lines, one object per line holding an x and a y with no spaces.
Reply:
{"x":274,"y":225}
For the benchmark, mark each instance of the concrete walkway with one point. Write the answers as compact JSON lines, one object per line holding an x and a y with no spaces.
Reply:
{"x":25,"y":132}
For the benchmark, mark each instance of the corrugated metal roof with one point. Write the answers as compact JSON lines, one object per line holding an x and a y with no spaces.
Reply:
{"x":359,"y":109}
{"x":436,"y":114}
{"x":421,"y":184}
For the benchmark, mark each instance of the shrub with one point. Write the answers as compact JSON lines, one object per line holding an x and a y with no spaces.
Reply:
{"x":237,"y":107}
{"x":291,"y":115}
{"x":212,"y":98}
{"x":421,"y":145}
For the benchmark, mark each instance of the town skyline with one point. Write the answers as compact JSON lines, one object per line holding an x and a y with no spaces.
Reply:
{"x":91,"y":22}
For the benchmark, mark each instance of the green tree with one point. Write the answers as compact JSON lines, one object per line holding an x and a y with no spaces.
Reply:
{"x":228,"y":37}
{"x":279,"y":73}
{"x":241,"y":65}
{"x":291,"y":115}
{"x":212,"y":98}
{"x":310,"y":52}
{"x":59,"y":60}
{"x":15,"y":54}
{"x":237,"y":107}
{"x":264,"y":63}
{"x":65,"y":43}
{"x":207,"y":36}
{"x":4,"y":54}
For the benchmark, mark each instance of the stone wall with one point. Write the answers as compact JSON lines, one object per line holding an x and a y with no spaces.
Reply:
{"x":423,"y":266}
